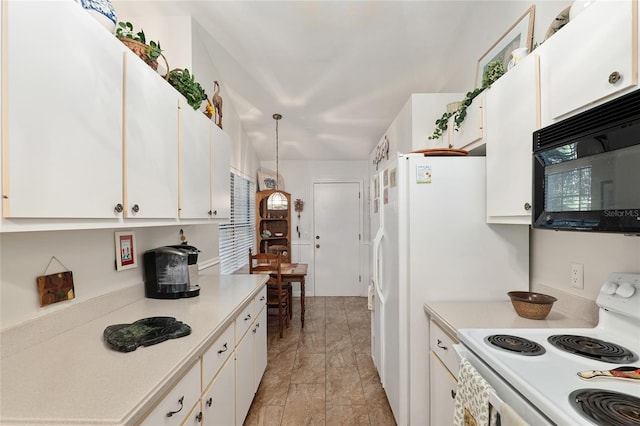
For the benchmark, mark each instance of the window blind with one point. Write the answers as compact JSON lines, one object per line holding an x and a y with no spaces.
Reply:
{"x":238,"y":235}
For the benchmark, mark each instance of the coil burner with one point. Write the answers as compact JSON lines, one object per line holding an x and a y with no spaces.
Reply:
{"x":607,"y":407}
{"x":515,"y":344}
{"x":592,"y":348}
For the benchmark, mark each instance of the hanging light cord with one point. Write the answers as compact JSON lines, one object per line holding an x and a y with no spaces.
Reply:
{"x":277,"y":117}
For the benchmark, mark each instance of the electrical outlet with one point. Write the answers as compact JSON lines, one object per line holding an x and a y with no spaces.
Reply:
{"x":577,"y":275}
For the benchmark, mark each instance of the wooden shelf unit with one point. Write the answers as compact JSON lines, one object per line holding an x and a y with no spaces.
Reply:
{"x":276,"y":222}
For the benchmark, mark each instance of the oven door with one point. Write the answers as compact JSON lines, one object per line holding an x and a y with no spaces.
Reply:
{"x":503,"y":392}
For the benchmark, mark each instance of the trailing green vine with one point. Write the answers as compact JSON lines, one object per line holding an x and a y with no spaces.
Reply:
{"x":495,"y":70}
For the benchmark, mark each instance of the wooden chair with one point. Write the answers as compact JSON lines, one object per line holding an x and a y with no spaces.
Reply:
{"x":266,"y":262}
{"x":278,"y":296}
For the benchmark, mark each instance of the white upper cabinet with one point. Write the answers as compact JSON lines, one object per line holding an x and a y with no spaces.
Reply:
{"x":512,"y":115}
{"x":151,"y":143}
{"x":220,"y":173}
{"x":195,"y":163}
{"x":470,"y":134}
{"x":64,"y":108}
{"x":590,"y":59}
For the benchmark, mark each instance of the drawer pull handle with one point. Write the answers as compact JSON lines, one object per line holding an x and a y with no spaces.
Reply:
{"x":453,"y":394}
{"x":441,"y":346}
{"x":224,"y":348}
{"x":209,"y":402}
{"x":181,"y":402}
{"x":199,"y":417}
{"x":248,"y":317}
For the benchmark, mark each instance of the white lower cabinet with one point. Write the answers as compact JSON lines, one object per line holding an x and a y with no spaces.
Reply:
{"x":261,"y":345}
{"x":444,"y":366}
{"x":443,"y":392}
{"x":245,"y":376}
{"x":178,"y":403}
{"x":219,"y":388}
{"x":218,"y":400}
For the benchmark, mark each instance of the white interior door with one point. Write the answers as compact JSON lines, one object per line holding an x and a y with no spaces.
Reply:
{"x":337,"y":238}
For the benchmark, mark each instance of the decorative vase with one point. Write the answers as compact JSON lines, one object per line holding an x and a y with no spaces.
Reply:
{"x":516,"y":56}
{"x":102,"y":11}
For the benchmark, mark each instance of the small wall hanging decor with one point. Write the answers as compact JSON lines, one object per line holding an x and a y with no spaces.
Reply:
{"x":125,"y":250}
{"x":56,"y":287}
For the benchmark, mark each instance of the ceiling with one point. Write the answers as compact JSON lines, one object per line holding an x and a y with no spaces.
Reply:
{"x":338,"y":71}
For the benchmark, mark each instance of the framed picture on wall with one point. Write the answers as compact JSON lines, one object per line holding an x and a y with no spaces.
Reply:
{"x":125,"y":245}
{"x":267,"y":180}
{"x":520,"y":34}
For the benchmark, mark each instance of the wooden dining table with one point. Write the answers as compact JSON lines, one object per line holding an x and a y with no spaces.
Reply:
{"x":291,"y":273}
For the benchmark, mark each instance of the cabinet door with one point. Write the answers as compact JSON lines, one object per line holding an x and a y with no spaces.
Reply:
{"x":470,"y":134}
{"x":195,"y":164}
{"x":443,"y":388}
{"x":64,"y":110}
{"x":151,"y":142}
{"x":578,"y":61}
{"x":245,"y":376}
{"x":260,"y":328}
{"x":220,"y":174}
{"x":218,"y":401}
{"x":511,"y":108}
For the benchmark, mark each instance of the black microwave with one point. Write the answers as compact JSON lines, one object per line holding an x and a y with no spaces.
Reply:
{"x":586,"y":170}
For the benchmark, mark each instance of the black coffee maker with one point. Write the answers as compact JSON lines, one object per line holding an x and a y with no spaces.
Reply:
{"x":167,"y":274}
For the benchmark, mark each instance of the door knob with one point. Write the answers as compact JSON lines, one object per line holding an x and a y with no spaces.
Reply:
{"x":317,"y":245}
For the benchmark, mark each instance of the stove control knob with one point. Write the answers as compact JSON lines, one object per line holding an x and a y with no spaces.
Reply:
{"x":626,"y":290}
{"x":609,"y":287}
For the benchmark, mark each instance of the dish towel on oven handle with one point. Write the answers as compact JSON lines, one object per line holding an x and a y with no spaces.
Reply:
{"x":508,"y":416}
{"x":472,"y":398}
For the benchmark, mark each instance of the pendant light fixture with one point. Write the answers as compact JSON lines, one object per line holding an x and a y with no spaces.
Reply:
{"x":277,"y":200}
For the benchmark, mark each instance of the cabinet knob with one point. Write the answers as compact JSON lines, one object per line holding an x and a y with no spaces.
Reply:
{"x":441,"y":346}
{"x":527,"y":206}
{"x":210,"y":213}
{"x":135,"y":208}
{"x":215,"y":212}
{"x":209,"y":402}
{"x":614,"y":77}
{"x":317,"y":245}
{"x":119,"y":208}
{"x":317,"y":237}
{"x":199,"y":417}
{"x":248,"y":317}
{"x":453,"y":394}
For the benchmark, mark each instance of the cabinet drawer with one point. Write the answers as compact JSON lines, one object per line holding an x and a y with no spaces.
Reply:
{"x":216,"y":355}
{"x":442,"y":346}
{"x":260,"y":301}
{"x":179,"y":401}
{"x":244,"y":320}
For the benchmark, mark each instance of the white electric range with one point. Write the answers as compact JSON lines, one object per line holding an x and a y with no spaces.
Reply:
{"x":535,"y":370}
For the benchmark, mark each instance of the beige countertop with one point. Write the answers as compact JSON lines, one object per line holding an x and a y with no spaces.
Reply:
{"x":452,"y":316}
{"x":75,"y":378}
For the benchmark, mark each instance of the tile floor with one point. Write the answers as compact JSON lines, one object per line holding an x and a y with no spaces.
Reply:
{"x":322,"y":374}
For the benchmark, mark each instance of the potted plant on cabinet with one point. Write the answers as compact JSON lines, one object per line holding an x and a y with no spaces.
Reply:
{"x":137,"y":42}
{"x":185,"y":83}
{"x":495,"y":70}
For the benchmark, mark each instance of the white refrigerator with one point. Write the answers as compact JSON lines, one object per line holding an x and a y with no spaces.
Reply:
{"x":431,"y":242}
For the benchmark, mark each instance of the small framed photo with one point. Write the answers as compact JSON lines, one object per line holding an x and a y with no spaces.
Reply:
{"x":125,"y":250}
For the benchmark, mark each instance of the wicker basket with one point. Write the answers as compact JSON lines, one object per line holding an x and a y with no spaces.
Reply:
{"x":531,"y":305}
{"x":141,"y":50}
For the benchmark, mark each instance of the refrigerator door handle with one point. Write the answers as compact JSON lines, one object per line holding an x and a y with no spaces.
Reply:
{"x":377,"y":243}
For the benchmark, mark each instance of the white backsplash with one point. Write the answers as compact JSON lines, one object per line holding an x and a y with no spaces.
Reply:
{"x":570,"y":304}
